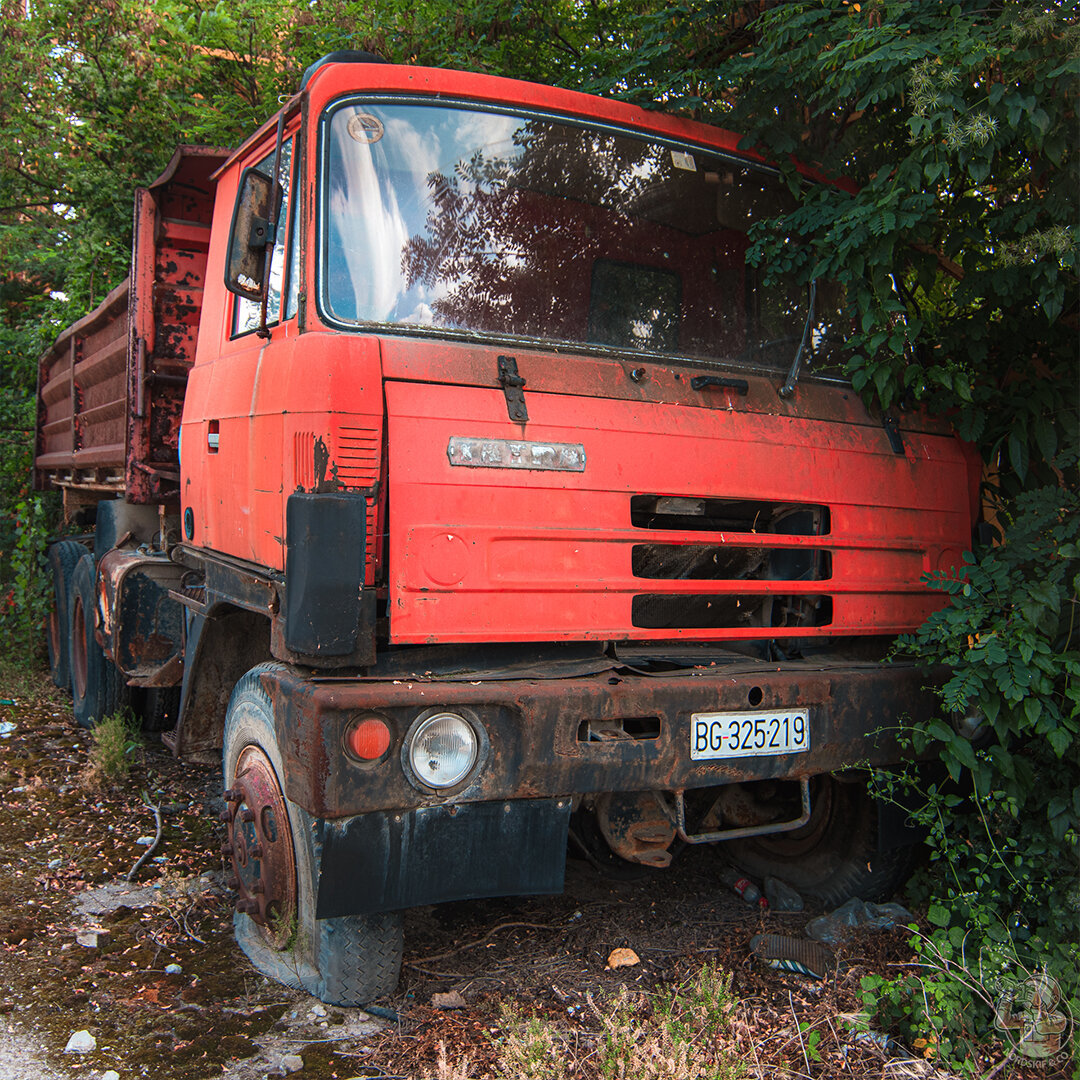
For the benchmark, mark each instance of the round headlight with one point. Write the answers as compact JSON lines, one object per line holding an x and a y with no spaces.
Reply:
{"x":442,"y":750}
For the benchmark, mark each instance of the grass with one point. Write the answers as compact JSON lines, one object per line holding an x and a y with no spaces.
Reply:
{"x":668,"y":1034}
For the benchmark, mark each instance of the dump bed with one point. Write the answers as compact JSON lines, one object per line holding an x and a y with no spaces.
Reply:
{"x":111,"y":388}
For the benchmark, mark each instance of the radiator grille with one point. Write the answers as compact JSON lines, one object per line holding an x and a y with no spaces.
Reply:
{"x":737,"y":554}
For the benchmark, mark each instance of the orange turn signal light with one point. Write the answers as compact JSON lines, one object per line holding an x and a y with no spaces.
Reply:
{"x":367,"y":739}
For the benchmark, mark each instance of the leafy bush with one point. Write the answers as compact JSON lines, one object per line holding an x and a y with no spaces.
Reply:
{"x":1003,"y":891}
{"x":27,"y":582}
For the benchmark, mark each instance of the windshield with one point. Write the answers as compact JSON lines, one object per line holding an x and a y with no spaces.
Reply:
{"x":489,"y":223}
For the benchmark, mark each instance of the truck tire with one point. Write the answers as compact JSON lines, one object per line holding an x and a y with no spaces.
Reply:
{"x":158,"y":707}
{"x":98,"y":687}
{"x":62,"y":557}
{"x":346,"y":961}
{"x":835,"y":856}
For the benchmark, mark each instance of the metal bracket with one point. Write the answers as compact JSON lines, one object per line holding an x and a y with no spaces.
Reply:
{"x":703,"y":382}
{"x":513,"y":389}
{"x":892,"y":429}
{"x":678,"y":819}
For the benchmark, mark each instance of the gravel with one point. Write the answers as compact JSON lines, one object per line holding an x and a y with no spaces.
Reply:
{"x":20,"y":1057}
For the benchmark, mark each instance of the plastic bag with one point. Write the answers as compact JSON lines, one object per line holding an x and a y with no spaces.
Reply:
{"x":831,"y":928}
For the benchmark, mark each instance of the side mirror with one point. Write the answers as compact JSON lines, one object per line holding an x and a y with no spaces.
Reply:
{"x":251,"y":234}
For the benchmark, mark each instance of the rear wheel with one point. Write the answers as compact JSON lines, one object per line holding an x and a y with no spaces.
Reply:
{"x":834,"y":856}
{"x":63,"y":557}
{"x":98,"y":687}
{"x":274,"y":847}
{"x":158,"y":707}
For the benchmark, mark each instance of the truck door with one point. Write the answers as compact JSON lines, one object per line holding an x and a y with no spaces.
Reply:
{"x":244,"y":407}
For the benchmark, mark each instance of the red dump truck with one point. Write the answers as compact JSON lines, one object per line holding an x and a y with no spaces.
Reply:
{"x":456,"y":482}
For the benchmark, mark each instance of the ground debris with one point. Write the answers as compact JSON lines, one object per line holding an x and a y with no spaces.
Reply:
{"x":169,"y":996}
{"x":619,"y":958}
{"x":451,"y":1000}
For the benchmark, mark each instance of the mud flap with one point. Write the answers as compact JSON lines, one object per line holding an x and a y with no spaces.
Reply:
{"x":388,"y":861}
{"x":326,"y":606}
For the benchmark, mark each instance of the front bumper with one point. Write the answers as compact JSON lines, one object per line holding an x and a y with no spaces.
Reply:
{"x":533,"y":730}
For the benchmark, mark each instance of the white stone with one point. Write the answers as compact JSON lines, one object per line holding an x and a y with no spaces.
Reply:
{"x":81,"y":1042}
{"x":292,"y":1063}
{"x":173,"y":969}
{"x":112,"y":1074}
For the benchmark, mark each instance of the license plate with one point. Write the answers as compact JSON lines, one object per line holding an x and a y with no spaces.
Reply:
{"x":748,"y":734}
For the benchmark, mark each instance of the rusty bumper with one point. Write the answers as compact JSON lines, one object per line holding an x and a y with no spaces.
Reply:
{"x":535,"y":733}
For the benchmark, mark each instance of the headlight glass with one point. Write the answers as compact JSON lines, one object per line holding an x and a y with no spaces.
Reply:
{"x":443,"y":750}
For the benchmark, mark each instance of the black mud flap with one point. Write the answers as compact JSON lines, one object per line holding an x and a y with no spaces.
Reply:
{"x":388,"y":861}
{"x":325,"y":609}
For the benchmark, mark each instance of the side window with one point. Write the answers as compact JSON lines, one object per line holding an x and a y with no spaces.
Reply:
{"x":246,"y":312}
{"x":292,"y":296}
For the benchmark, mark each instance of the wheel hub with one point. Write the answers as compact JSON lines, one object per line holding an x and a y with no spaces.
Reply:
{"x":260,"y":847}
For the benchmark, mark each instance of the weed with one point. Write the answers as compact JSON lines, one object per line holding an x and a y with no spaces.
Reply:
{"x":448,"y":1070}
{"x":533,"y":1048}
{"x":672,"y":1034}
{"x":285,"y":926}
{"x":113,"y":743}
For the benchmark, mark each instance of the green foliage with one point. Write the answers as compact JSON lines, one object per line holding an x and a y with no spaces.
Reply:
{"x":114,"y":741}
{"x":955,"y":238}
{"x":1010,"y":639}
{"x":1003,"y":821}
{"x":961,"y":998}
{"x":26,"y":520}
{"x":25,"y":604}
{"x":1011,"y":636}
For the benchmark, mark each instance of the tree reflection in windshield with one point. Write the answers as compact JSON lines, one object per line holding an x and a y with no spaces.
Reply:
{"x":490,"y":223}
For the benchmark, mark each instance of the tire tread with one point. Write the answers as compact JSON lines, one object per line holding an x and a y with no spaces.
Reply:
{"x":63,"y":557}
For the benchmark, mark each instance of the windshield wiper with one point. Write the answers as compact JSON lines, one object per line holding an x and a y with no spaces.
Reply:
{"x":793,"y":375}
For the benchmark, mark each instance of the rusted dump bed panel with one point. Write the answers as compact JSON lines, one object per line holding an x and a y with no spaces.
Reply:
{"x":111,"y":388}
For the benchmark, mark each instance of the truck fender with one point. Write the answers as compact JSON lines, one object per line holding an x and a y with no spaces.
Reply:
{"x":141,"y":627}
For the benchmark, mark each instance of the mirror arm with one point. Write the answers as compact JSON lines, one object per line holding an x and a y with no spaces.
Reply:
{"x":271,"y":231}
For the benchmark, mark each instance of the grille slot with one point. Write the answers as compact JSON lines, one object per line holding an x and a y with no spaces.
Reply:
{"x":728,"y":562}
{"x":357,"y":457}
{"x":719,"y":611}
{"x":693,"y":514}
{"x":304,"y":460}
{"x":357,"y":463}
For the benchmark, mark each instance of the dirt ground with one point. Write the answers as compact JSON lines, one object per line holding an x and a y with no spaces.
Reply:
{"x":155,"y":977}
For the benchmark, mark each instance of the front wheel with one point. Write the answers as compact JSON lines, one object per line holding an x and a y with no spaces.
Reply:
{"x":834,"y":857}
{"x":274,"y":847}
